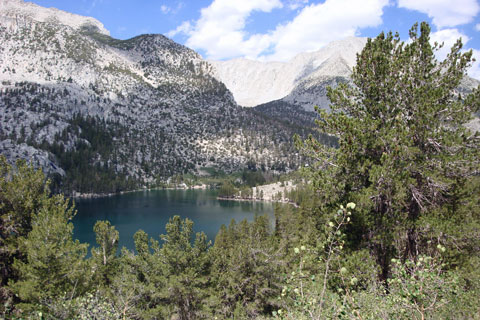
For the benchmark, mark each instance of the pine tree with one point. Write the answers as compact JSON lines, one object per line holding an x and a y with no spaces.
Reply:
{"x":403,"y":148}
{"x":54,"y":267}
{"x":186,"y":268}
{"x":245,"y":269}
{"x":39,"y":260}
{"x":105,"y":256}
{"x":22,"y":192}
{"x":140,"y":283}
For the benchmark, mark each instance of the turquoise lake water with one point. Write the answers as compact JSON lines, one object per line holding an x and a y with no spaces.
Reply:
{"x":150,"y":211}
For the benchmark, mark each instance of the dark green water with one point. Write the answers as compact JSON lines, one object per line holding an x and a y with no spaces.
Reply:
{"x":150,"y":211}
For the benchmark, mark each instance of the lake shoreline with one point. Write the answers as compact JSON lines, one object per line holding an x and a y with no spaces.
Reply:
{"x":78,"y":195}
{"x":258,"y":200}
{"x":151,"y":211}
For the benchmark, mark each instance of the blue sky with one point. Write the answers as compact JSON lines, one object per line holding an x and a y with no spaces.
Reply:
{"x":279,"y":29}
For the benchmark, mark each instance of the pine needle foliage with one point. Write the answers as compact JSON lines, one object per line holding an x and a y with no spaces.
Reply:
{"x":404,"y":151}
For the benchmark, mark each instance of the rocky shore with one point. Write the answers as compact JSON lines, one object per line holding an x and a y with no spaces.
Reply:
{"x":274,"y":192}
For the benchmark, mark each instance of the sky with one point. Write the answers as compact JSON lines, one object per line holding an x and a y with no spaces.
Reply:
{"x":276,"y":30}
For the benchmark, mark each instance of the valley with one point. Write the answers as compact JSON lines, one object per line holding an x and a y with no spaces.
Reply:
{"x":339,"y":183}
{"x":104,"y":115}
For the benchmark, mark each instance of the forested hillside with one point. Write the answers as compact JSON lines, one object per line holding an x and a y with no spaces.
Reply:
{"x":102,"y":115}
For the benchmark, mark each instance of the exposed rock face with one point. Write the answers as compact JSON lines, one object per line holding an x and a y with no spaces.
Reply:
{"x":302,"y":80}
{"x":18,"y":12}
{"x":40,"y":158}
{"x":145,"y":108}
{"x":91,"y":109}
{"x":298,"y":85}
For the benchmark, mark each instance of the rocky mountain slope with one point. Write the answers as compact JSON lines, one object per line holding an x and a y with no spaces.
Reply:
{"x":301,"y":81}
{"x":103,"y":114}
{"x":290,"y":90}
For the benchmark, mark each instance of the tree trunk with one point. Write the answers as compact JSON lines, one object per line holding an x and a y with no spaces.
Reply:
{"x":411,"y":248}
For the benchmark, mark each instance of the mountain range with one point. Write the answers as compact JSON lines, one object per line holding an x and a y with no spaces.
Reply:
{"x":295,"y":87}
{"x":100,"y":114}
{"x":253,"y":83}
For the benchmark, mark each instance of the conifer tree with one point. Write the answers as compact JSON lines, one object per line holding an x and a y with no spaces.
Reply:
{"x":39,"y":260}
{"x":185,"y":267}
{"x":245,"y":269}
{"x":22,"y":190}
{"x":105,"y":256}
{"x":54,"y":267}
{"x":404,"y":151}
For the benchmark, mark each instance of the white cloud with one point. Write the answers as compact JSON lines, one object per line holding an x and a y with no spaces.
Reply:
{"x":172,"y":10}
{"x":295,"y":4}
{"x":220,"y":31}
{"x":448,"y":37}
{"x":165,"y":9}
{"x":474,"y":71}
{"x":444,"y":13}
{"x":185,"y":28}
{"x":319,"y":24}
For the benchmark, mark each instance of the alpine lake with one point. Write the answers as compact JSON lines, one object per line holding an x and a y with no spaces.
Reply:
{"x":150,"y":211}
